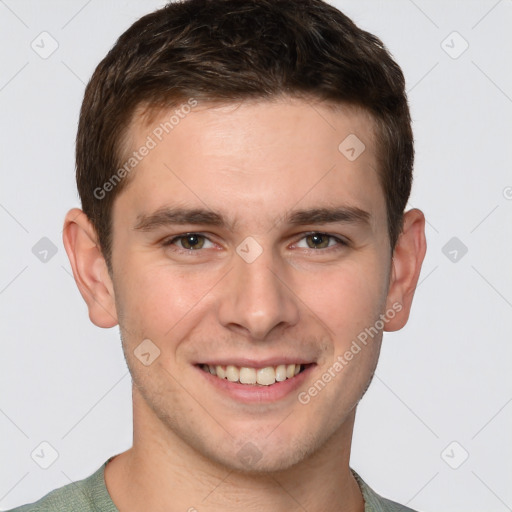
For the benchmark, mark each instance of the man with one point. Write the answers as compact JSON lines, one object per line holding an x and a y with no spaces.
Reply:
{"x":244,"y":167}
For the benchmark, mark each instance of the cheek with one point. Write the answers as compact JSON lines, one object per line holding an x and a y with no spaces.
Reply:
{"x":153,"y":301}
{"x":350,"y":307}
{"x":353,"y":298}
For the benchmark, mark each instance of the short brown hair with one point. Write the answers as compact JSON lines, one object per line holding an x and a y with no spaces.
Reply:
{"x":231,"y":50}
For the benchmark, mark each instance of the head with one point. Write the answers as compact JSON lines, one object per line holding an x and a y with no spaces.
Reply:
{"x":243,"y":168}
{"x":229,"y":51}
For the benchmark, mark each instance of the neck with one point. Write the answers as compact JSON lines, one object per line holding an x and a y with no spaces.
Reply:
{"x":161,"y":472}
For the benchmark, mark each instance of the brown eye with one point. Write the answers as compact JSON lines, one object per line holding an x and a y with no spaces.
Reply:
{"x":191,"y":241}
{"x":318,"y":241}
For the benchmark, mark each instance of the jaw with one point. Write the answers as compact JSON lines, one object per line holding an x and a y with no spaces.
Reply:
{"x":246,"y":428}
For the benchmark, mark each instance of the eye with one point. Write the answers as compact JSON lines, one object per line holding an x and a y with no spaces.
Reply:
{"x":190,"y":242}
{"x":319,"y":241}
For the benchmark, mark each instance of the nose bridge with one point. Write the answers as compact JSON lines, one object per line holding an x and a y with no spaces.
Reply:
{"x":256,"y":298}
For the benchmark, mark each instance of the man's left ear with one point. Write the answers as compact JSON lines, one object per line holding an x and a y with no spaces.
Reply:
{"x":405,"y":268}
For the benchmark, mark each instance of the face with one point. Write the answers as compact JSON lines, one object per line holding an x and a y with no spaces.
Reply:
{"x":245,"y":243}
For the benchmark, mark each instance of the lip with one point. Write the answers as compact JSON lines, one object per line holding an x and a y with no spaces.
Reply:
{"x":252,"y":393}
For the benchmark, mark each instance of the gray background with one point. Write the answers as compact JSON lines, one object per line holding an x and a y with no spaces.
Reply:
{"x":442,"y":390}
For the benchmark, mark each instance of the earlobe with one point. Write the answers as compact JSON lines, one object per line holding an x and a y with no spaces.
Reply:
{"x":89,"y":268}
{"x":408,"y":257}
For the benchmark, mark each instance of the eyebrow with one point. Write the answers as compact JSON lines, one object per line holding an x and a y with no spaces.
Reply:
{"x":169,"y":216}
{"x":346,"y":214}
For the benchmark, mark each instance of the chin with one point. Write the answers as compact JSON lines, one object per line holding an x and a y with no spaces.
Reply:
{"x":263,"y":466}
{"x":272,"y":458}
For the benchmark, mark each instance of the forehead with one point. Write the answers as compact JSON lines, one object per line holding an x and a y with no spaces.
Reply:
{"x":263,"y":156}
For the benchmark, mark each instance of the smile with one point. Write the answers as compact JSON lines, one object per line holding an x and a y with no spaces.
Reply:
{"x":254,"y":376}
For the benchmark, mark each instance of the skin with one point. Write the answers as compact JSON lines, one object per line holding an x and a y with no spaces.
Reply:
{"x":253,"y":163}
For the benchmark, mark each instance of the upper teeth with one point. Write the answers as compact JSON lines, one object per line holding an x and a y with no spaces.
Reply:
{"x":264,"y":376}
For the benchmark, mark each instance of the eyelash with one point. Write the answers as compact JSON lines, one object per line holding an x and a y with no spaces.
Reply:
{"x":340,"y":242}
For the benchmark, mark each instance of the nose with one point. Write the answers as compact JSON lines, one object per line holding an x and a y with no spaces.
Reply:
{"x":256,"y":300}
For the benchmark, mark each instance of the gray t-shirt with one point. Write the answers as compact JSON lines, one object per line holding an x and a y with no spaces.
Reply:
{"x":91,"y":495}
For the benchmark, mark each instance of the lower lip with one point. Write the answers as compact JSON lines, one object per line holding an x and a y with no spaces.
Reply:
{"x":255,"y":393}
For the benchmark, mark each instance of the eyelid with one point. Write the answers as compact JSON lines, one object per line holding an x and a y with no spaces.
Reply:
{"x":341,"y":241}
{"x":166,"y":242}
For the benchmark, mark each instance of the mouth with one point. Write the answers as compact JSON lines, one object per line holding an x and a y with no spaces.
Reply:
{"x":252,"y":382}
{"x":266,"y":376}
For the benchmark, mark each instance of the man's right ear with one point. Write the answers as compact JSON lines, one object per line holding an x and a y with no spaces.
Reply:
{"x":89,"y":268}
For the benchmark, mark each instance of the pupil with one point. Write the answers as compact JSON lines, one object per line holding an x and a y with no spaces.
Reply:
{"x":317,"y":241}
{"x":192,"y":240}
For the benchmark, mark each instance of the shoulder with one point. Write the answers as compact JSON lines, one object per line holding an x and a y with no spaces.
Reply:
{"x":87,"y":495}
{"x":376,"y":503}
